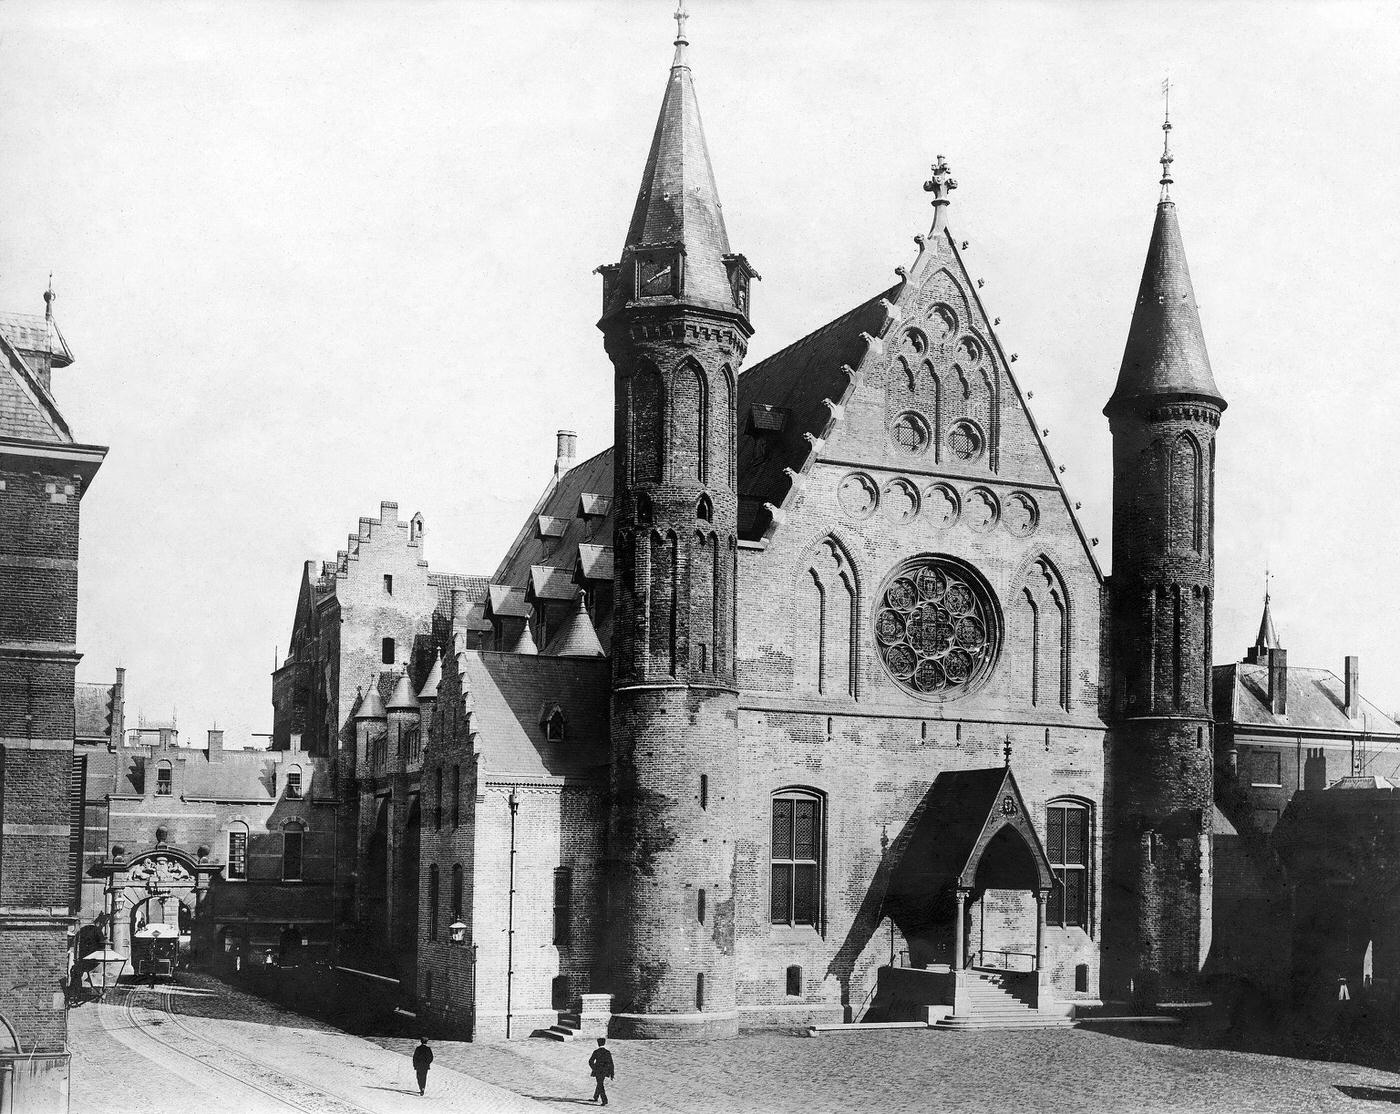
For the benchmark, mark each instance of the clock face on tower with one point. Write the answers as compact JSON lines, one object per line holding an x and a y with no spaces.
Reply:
{"x":655,"y":278}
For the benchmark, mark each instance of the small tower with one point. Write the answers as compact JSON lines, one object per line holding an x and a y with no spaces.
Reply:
{"x":676,"y":327}
{"x":1163,"y":418}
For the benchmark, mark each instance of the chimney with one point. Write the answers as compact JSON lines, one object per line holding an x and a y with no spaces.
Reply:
{"x":564,"y":453}
{"x":117,"y":732}
{"x":295,"y":746}
{"x":1278,"y":682}
{"x":216,"y":745}
{"x":1353,"y":688}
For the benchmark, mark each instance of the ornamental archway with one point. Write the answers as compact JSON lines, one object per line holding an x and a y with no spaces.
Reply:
{"x":159,"y":885}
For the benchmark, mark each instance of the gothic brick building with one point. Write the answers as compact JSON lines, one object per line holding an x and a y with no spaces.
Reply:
{"x":44,"y":476}
{"x":807,"y":700}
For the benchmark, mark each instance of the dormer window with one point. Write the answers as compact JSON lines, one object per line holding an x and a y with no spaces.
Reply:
{"x":739,"y":275}
{"x":554,"y":726}
{"x":294,"y":784}
{"x":164,"y":780}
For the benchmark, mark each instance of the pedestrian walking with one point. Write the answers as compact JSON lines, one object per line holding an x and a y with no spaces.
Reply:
{"x":600,"y":1066}
{"x":422,"y":1061}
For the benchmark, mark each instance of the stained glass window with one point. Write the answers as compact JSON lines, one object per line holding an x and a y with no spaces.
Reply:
{"x":936,"y":628}
{"x":797,"y":853}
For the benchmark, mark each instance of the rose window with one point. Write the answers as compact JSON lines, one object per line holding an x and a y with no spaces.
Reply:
{"x":910,"y":432}
{"x":936,"y":628}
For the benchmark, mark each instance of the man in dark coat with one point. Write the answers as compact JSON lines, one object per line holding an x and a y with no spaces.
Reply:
{"x":600,"y":1066}
{"x":422,"y":1061}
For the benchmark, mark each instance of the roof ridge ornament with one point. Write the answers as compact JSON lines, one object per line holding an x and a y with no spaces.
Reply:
{"x":940,"y":184}
{"x":1166,"y":159}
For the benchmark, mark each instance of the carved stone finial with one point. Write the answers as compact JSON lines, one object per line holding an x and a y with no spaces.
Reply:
{"x":941,"y":182}
{"x":680,"y":17}
{"x":1006,"y":749}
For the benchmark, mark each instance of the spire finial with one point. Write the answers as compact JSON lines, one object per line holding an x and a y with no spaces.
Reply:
{"x":941,"y":183}
{"x":1166,"y":159}
{"x":680,"y":16}
{"x":49,"y":296}
{"x":1006,"y":750}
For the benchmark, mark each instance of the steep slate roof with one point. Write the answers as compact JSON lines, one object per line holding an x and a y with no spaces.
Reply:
{"x":678,"y":201}
{"x":1267,"y":638}
{"x":33,"y":332}
{"x":548,"y":582}
{"x":27,"y":410}
{"x":796,"y":380}
{"x":513,"y":694}
{"x":1165,"y":356}
{"x":1316,"y":701}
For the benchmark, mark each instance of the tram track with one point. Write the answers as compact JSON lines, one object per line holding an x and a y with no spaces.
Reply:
{"x":219,"y":1057}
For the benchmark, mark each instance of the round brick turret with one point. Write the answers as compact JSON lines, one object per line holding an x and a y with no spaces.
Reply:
{"x":675,"y":325}
{"x":1163,"y":417}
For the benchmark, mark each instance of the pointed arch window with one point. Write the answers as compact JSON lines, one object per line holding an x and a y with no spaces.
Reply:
{"x":434,"y":898}
{"x":797,"y":858}
{"x":1044,"y":635}
{"x":702,"y":432}
{"x":705,"y":509}
{"x":1069,"y":845}
{"x":293,"y":836}
{"x":457,"y":891}
{"x":554,"y":725}
{"x":826,"y":602}
{"x":1185,"y":499}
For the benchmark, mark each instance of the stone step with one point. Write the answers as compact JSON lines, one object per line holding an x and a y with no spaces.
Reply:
{"x":556,"y":1033}
{"x":1032,"y":1021}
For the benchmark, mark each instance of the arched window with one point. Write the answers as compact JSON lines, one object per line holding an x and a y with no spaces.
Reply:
{"x":236,"y":867}
{"x":704,"y":509}
{"x":433,"y":900}
{"x":702,"y":432}
{"x":293,"y":783}
{"x":1042,"y":616}
{"x":554,"y":725}
{"x":437,"y":811}
{"x":1184,"y":499}
{"x":1069,"y":845}
{"x":825,"y":604}
{"x":456,"y":796}
{"x":457,"y":891}
{"x":647,"y":425}
{"x":165,"y":779}
{"x":293,"y":836}
{"x":795,"y":894}
{"x":643,"y":507}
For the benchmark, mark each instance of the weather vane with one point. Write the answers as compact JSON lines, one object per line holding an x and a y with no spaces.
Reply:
{"x":1166,"y":159}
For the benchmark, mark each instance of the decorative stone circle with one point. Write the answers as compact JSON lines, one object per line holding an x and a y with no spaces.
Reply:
{"x":937,"y":627}
{"x":1021,"y":515}
{"x":943,"y":504}
{"x":901,"y":500}
{"x":965,"y":440}
{"x":858,"y":495}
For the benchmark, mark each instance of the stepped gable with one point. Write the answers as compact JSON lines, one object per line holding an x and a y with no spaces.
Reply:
{"x":514,"y":694}
{"x":793,"y":382}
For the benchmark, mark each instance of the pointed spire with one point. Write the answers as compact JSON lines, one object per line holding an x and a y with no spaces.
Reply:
{"x":1165,"y":358}
{"x":1166,"y":160}
{"x":678,"y":205}
{"x":429,"y":690}
{"x":1267,"y":639}
{"x":402,"y":698}
{"x":577,"y":638}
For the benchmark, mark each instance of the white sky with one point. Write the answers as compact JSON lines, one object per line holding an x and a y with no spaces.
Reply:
{"x":310,"y":256}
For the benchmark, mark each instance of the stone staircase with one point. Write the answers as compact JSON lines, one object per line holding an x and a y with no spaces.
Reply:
{"x":1002,"y":1001}
{"x":565,"y":1029}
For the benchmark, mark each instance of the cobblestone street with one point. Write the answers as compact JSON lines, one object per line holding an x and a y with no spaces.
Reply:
{"x":213,"y":1049}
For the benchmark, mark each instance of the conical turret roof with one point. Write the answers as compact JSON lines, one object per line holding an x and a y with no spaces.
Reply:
{"x":429,"y":690}
{"x":577,"y":638}
{"x":524,"y":642}
{"x":371,"y":707}
{"x":402,"y":698}
{"x":1165,"y":357}
{"x":678,"y":202}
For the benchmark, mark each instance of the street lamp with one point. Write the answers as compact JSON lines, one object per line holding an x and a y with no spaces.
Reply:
{"x":107,"y":965}
{"x":457,"y":935}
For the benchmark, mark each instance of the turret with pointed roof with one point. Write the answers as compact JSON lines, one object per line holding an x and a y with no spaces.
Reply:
{"x":576,"y":638}
{"x":1163,"y":416}
{"x":675,"y":324}
{"x":1266,"y":640}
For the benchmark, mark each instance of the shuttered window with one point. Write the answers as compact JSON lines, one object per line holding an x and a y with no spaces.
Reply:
{"x":1068,"y":847}
{"x":796,"y":863}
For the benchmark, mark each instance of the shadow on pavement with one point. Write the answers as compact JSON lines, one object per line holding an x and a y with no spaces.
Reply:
{"x":396,"y":1090}
{"x":560,"y":1098}
{"x":1371,"y":1094}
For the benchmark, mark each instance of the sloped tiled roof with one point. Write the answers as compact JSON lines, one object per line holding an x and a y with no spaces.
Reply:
{"x":508,"y":600}
{"x":796,"y":380}
{"x":512,"y":694}
{"x":561,"y":501}
{"x":1316,"y":701}
{"x":446,"y":582}
{"x":27,"y":411}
